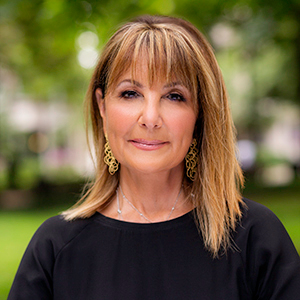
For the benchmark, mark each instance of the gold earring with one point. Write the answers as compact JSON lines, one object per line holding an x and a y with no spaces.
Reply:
{"x":191,"y":160}
{"x":109,"y":159}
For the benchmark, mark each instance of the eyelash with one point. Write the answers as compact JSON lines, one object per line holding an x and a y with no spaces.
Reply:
{"x":178,"y":96}
{"x":130,"y":94}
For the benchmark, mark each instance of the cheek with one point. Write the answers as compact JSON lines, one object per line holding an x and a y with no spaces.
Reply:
{"x":183,"y":125}
{"x":119,"y":119}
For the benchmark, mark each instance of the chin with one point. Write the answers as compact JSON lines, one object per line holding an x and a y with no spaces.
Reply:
{"x":154,"y":168}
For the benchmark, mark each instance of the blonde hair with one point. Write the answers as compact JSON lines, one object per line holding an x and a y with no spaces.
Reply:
{"x":174,"y":46}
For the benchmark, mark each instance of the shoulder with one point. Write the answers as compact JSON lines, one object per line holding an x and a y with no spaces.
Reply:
{"x":268,"y":254}
{"x":56,"y":232}
{"x":260,"y":225}
{"x":34,"y":276}
{"x":262,"y":238}
{"x":256,"y":214}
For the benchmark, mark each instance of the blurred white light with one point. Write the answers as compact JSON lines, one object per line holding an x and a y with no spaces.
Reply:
{"x":242,"y":82}
{"x":87,"y":40}
{"x":87,"y":58}
{"x":24,"y":116}
{"x":281,"y":174}
{"x":247,"y":153}
{"x":283,"y":136}
{"x":223,"y":35}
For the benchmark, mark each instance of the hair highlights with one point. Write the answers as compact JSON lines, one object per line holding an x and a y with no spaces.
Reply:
{"x":174,"y":49}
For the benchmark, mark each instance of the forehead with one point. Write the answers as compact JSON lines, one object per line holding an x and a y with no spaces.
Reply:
{"x":141,"y":70}
{"x":157,"y":63}
{"x":140,"y":76}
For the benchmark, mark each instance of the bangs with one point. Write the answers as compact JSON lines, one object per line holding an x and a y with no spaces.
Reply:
{"x":168,"y":56}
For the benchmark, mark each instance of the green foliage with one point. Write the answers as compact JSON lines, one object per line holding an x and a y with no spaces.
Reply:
{"x":28,"y":173}
{"x":61,"y":175}
{"x":267,"y":158}
{"x":39,"y":46}
{"x":40,"y":36}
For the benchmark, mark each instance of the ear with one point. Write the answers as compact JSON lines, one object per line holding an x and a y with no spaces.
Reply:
{"x":101,"y":106}
{"x":100,"y":101}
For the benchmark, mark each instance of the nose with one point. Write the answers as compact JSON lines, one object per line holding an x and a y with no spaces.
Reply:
{"x":151,"y":113}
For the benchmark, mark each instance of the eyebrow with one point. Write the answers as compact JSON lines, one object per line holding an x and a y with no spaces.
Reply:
{"x":171,"y":84}
{"x":131,"y":81}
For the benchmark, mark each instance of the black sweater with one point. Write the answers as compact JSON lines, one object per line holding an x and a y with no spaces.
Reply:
{"x":103,"y":258}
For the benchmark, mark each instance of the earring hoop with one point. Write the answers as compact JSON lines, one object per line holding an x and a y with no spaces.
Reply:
{"x":109,"y":159}
{"x":191,"y":160}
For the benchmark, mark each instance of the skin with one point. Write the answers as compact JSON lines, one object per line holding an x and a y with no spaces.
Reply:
{"x":150,"y":129}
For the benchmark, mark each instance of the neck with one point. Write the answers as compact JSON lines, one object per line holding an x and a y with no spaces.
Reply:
{"x":153,"y":195}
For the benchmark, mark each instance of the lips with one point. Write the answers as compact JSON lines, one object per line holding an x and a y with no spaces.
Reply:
{"x":148,"y":144}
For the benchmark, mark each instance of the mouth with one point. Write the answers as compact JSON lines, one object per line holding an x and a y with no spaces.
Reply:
{"x":148,"y":144}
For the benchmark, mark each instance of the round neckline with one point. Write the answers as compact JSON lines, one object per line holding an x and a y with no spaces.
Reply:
{"x":161,"y":225}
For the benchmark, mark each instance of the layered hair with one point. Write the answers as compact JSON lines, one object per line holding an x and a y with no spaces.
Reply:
{"x":174,"y":48}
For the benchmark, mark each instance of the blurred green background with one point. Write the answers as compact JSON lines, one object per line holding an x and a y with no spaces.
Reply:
{"x":47,"y":53}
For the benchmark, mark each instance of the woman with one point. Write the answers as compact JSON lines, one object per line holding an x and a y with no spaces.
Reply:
{"x":164,"y":218}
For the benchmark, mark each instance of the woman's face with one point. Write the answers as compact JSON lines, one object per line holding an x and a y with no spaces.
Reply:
{"x":149,"y":128}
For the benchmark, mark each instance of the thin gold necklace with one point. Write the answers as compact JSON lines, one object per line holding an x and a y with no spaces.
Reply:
{"x":139,"y":212}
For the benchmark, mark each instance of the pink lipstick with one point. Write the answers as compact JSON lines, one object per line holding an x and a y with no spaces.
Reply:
{"x":148,"y":145}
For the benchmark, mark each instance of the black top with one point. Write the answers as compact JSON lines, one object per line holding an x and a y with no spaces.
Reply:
{"x":103,"y":258}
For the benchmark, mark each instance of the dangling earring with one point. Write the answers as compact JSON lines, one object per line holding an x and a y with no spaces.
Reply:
{"x":109,"y":159}
{"x":191,"y":160}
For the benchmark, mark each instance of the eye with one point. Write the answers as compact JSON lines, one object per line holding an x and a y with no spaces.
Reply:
{"x":129,"y":94}
{"x":176,"y":97}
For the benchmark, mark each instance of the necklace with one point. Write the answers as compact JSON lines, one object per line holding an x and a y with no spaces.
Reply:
{"x":139,"y":212}
{"x":118,"y":204}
